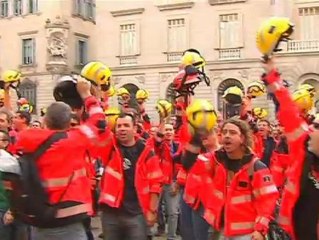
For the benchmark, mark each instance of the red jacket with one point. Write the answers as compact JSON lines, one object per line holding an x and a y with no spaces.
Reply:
{"x":278,"y":168}
{"x":296,"y":132}
{"x":63,"y":167}
{"x":148,"y":177}
{"x":197,"y":184}
{"x":247,"y":201}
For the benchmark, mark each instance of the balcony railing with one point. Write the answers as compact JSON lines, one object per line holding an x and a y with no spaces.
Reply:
{"x":174,"y":56}
{"x":215,"y":2}
{"x":303,"y":46}
{"x":230,"y":54}
{"x":128,"y":60}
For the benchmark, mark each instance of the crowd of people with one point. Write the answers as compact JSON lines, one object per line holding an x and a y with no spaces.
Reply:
{"x":193,"y":174}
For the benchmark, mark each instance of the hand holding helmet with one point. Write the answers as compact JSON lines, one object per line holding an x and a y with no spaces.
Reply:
{"x":164,"y":109}
{"x":83,"y":87}
{"x":11,"y":78}
{"x":201,"y":117}
{"x":98,"y":74}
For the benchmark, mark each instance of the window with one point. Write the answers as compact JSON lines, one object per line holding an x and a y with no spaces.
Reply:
{"x":177,"y":35}
{"x":78,"y":4}
{"x":309,"y":18}
{"x":85,"y":8}
{"x":90,"y":9}
{"x":4,"y":8}
{"x":230,"y":31}
{"x":28,"y":90}
{"x":129,"y":40}
{"x":82,"y":51}
{"x":17,"y":7}
{"x":32,"y":6}
{"x":28,"y":51}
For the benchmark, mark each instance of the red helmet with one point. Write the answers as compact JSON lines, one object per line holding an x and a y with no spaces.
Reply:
{"x":185,"y":82}
{"x":22,"y":101}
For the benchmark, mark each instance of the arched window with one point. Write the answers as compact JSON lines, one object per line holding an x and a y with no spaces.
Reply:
{"x":28,"y":90}
{"x":226,"y":109}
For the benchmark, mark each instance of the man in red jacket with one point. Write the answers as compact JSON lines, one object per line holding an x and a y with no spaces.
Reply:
{"x":241,"y":195}
{"x":63,"y":167}
{"x":130,"y":185}
{"x":299,"y":213}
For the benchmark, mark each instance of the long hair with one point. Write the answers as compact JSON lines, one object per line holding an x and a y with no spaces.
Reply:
{"x":244,"y":129}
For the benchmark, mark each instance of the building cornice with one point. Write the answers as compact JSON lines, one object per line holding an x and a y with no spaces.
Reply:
{"x":210,"y":65}
{"x":218,"y":2}
{"x":126,"y":12}
{"x":28,"y":33}
{"x":175,"y":6}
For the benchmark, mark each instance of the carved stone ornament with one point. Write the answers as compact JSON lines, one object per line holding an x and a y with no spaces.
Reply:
{"x":140,"y":79}
{"x":116,"y":80}
{"x":167,"y":77}
{"x":57,"y":35}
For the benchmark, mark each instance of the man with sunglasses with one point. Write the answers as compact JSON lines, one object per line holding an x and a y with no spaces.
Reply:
{"x":300,"y":200}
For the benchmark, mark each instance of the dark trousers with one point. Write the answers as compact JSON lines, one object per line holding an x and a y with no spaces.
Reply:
{"x":122,"y":226}
{"x":13,"y":231}
{"x":193,"y":226}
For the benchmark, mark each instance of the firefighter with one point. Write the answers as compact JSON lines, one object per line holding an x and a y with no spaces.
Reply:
{"x":301,"y":193}
{"x":130,"y":185}
{"x":68,"y":187}
{"x":242,"y":195}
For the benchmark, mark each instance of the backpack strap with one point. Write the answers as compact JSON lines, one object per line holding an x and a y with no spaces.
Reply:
{"x":55,"y":137}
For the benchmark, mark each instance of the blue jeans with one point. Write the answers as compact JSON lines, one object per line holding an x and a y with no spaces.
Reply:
{"x":69,"y":232}
{"x":13,"y":231}
{"x":122,"y":226}
{"x":172,"y":210}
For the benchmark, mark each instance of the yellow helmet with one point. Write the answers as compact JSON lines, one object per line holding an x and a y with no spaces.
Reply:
{"x":233,"y":95}
{"x":26,"y":108}
{"x":111,"y":115}
{"x":256,"y":89}
{"x":164,"y":108}
{"x":260,"y":113}
{"x":111,"y":91}
{"x":97,"y":73}
{"x":193,"y":57}
{"x":201,"y":115}
{"x":122,"y":91}
{"x":142,"y":94}
{"x":271,"y":33}
{"x":311,"y":89}
{"x":303,"y":100}
{"x":11,"y":76}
